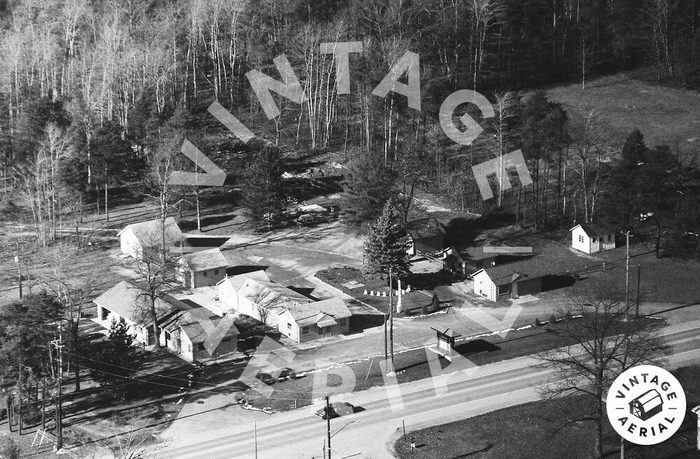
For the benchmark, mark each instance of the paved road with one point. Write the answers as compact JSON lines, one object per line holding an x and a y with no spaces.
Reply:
{"x":299,"y":434}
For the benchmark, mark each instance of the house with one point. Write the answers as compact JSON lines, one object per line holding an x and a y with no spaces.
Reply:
{"x":591,"y":238}
{"x":319,"y":319}
{"x":427,"y":236}
{"x":127,"y":303}
{"x":254,"y":294}
{"x":509,"y":280}
{"x":139,"y":237}
{"x":196,"y":333}
{"x":462,"y":263}
{"x":202,"y":268}
{"x":184,"y":327}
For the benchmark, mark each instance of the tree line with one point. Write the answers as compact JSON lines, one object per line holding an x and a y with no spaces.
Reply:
{"x":96,"y":96}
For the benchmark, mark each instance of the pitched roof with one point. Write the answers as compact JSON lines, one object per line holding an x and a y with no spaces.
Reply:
{"x":200,"y":324}
{"x":265,"y":293}
{"x":425,"y":227}
{"x":509,"y":272}
{"x":205,"y":259}
{"x":594,"y":229}
{"x":323,"y":313}
{"x":130,"y":302}
{"x":149,"y":233}
{"x":238,"y":280}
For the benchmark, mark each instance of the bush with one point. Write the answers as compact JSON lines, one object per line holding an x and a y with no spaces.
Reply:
{"x":8,"y":448}
{"x":552,"y":319}
{"x":537,"y":322}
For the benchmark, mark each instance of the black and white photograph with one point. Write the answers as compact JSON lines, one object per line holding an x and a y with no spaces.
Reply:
{"x":334,"y":229}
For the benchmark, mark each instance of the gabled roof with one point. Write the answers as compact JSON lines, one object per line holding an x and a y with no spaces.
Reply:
{"x":425,"y":228}
{"x":199,"y":324}
{"x":205,"y":259}
{"x":150,"y":233}
{"x":237,"y":281}
{"x":322,"y":313}
{"x":265,"y":293}
{"x":594,"y":229}
{"x":131,"y":302}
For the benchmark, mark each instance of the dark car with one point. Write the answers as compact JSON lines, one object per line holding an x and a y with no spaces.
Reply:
{"x":336,"y":410}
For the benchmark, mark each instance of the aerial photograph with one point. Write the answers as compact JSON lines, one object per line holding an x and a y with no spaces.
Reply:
{"x":367,"y":229}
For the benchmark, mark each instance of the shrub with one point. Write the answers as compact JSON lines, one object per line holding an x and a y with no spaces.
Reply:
{"x":537,"y":322}
{"x":552,"y":319}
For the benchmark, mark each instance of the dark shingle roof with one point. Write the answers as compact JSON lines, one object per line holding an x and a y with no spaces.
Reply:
{"x":595,"y":229}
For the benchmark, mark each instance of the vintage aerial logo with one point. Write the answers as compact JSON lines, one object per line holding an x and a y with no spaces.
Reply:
{"x":646,"y":405}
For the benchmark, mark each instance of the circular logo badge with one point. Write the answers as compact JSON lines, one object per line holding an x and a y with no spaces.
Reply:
{"x":646,"y":405}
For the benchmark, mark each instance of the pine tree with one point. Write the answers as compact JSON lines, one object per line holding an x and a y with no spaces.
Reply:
{"x":622,"y":200}
{"x":366,"y":188}
{"x":386,"y":245}
{"x":262,"y":185}
{"x":114,"y":361}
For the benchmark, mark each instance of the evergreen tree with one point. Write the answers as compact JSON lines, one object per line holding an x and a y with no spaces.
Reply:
{"x":366,"y":188}
{"x":621,"y":201}
{"x":114,"y":358}
{"x":386,"y":245}
{"x":262,"y":187}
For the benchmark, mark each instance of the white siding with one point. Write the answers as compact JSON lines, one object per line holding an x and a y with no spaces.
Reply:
{"x":580,"y":240}
{"x":484,"y":286}
{"x":129,"y":243}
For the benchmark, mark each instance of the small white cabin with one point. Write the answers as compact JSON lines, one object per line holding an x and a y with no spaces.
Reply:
{"x":591,"y":238}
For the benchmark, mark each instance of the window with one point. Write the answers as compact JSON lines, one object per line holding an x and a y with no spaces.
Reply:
{"x":289,"y":325}
{"x":104,"y":313}
{"x":204,"y":273}
{"x":580,"y":238}
{"x":216,"y":272}
{"x":593,"y":239}
{"x":189,"y":347}
{"x":609,"y":237}
{"x":503,"y":289}
{"x":305,"y":330}
{"x":341,"y":322}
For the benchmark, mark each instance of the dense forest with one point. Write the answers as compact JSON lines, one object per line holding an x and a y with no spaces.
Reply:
{"x":99,"y":95}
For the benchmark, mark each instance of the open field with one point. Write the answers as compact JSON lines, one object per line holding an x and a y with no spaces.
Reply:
{"x":532,"y":432}
{"x":664,"y":115}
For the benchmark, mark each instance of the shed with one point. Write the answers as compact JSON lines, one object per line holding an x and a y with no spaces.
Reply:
{"x":591,"y":238}
{"x":647,"y":405}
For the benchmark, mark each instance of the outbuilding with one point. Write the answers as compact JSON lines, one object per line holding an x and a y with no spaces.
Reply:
{"x":591,"y":238}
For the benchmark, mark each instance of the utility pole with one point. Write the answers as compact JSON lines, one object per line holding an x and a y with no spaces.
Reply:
{"x":627,"y":276}
{"x":328,"y":423}
{"x":255,"y":437}
{"x":19,"y":274}
{"x":391,"y":319}
{"x":59,"y":409}
{"x":639,"y":276}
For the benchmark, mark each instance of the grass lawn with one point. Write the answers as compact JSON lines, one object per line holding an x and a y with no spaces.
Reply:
{"x":532,"y":432}
{"x":411,"y":365}
{"x":664,"y":115}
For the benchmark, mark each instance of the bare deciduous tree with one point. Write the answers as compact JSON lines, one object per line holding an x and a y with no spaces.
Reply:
{"x":604,"y":345}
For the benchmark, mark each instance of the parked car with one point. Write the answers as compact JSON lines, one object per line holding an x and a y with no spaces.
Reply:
{"x":336,"y":410}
